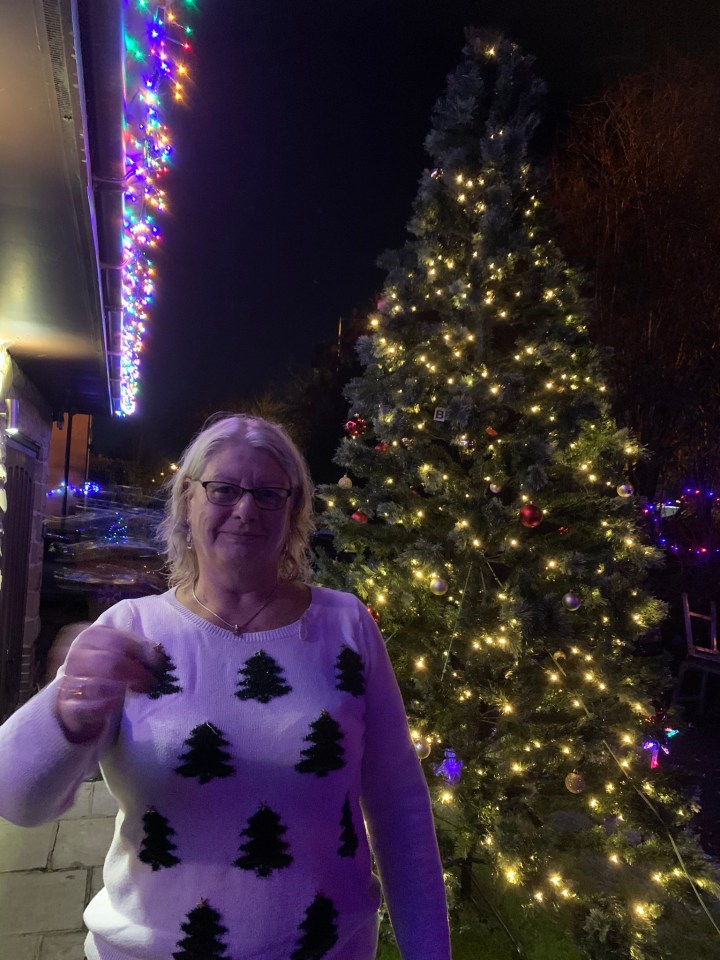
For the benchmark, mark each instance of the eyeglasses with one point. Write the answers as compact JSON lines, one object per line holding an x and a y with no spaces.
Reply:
{"x":227,"y":494}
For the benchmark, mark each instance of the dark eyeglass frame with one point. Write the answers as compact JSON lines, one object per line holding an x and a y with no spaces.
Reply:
{"x":241,"y":491}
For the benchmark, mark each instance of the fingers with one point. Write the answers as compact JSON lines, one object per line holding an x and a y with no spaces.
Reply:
{"x":83,"y":705}
{"x":101,"y":665}
{"x":106,"y":665}
{"x":114,"y":655}
{"x":120,"y":643}
{"x":90,"y":689}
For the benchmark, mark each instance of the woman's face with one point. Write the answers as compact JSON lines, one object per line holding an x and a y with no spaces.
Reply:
{"x":243,"y":534}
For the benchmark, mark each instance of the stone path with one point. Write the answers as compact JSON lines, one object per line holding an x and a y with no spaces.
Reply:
{"x":49,"y":874}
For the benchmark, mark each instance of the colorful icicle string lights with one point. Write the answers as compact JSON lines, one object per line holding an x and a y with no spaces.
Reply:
{"x":156,"y":45}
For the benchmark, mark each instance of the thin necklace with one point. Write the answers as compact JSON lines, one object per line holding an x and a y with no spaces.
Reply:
{"x":236,"y":628}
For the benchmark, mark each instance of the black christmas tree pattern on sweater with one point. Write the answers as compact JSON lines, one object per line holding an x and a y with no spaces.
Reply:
{"x":165,"y":680}
{"x":348,"y":835}
{"x":203,"y":930}
{"x":265,"y":849}
{"x":205,"y":758}
{"x":319,"y":930}
{"x":326,"y":752}
{"x":263,"y":679}
{"x":350,"y":675}
{"x":157,"y":847}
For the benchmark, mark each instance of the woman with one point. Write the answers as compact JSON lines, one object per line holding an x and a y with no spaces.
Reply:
{"x":246,"y":724}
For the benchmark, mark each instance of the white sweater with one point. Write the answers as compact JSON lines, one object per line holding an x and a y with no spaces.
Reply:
{"x":242,"y":781}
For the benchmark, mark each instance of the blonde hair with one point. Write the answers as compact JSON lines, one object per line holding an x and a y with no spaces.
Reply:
{"x":220,"y":430}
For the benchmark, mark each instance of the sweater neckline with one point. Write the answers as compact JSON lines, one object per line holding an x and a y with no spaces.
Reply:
{"x":295,"y":630}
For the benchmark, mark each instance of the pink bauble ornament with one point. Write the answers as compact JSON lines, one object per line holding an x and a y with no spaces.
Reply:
{"x":357,"y":426}
{"x":360,"y":516}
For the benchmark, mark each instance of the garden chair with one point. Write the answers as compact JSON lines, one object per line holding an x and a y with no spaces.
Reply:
{"x":702,"y":657}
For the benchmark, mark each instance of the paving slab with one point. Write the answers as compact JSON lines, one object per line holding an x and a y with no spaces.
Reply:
{"x":25,"y":848}
{"x":63,"y":946}
{"x":96,"y":881}
{"x":20,"y":948}
{"x":81,"y":806}
{"x":103,"y":803}
{"x":38,"y":902}
{"x":82,"y":843}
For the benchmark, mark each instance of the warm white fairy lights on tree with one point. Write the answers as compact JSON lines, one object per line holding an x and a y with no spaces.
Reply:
{"x":486,"y":518}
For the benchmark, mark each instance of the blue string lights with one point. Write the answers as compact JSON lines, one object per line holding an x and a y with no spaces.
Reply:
{"x":687,"y":527}
{"x":157,"y":42}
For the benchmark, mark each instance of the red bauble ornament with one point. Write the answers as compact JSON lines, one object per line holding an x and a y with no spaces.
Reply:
{"x":356,"y":427}
{"x":530,"y":515}
{"x":360,"y":517}
{"x":382,"y":447}
{"x":491,"y":431}
{"x":374,"y":614}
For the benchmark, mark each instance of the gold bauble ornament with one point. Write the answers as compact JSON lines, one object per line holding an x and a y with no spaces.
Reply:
{"x":575,"y":782}
{"x":345,"y":482}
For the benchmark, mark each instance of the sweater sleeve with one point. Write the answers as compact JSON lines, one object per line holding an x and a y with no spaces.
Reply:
{"x":40,"y":770}
{"x":396,"y":804}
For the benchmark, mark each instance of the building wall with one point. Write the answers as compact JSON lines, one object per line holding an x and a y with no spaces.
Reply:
{"x":32,"y":443}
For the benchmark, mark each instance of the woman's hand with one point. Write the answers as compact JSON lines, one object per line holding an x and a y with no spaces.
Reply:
{"x":101,"y":665}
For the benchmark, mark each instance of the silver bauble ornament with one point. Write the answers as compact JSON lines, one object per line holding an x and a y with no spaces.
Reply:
{"x":575,"y":782}
{"x":438,"y":586}
{"x":495,"y":487}
{"x":625,"y":490}
{"x":572,"y":601}
{"x":345,"y":482}
{"x":422,"y":749}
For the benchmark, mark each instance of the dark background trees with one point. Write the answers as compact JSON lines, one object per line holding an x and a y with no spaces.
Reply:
{"x":635,"y":185}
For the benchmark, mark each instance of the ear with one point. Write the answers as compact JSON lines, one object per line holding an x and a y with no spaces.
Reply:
{"x":184,"y":504}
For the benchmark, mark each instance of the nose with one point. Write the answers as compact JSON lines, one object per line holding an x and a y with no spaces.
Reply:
{"x":246,"y":506}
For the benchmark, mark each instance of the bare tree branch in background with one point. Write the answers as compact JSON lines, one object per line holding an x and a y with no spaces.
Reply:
{"x":636,"y":186}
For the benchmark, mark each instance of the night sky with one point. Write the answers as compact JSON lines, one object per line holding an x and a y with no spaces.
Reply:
{"x":297,"y":160}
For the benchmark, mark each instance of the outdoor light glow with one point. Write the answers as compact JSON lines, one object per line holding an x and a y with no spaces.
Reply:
{"x":152,"y":46}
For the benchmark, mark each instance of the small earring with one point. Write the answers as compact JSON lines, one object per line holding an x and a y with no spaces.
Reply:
{"x":189,"y":539}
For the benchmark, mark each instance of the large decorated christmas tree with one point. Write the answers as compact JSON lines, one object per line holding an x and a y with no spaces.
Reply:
{"x":486,"y":520}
